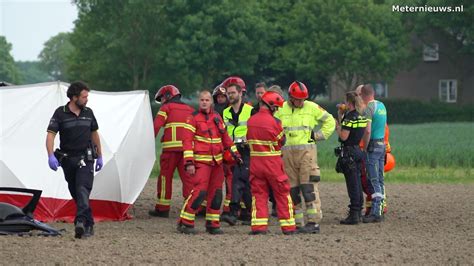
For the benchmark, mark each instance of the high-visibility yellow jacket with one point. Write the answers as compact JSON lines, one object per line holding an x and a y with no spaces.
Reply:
{"x":237,"y":129}
{"x":299,"y":123}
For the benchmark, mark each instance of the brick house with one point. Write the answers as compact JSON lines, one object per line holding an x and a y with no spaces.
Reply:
{"x":440,"y":74}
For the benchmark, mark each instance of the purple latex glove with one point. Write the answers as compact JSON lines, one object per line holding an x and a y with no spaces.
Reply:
{"x":98,"y":164}
{"x":53,"y":162}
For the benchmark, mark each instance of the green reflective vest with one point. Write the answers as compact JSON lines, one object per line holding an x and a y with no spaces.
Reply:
{"x":298,"y":123}
{"x":237,"y":129}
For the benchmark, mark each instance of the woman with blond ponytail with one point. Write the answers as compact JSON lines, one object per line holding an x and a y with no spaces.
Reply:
{"x":350,"y":128}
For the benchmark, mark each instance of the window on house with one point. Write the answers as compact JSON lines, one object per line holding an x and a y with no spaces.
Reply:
{"x":430,"y":52}
{"x":448,"y":90}
{"x":380,"y":89}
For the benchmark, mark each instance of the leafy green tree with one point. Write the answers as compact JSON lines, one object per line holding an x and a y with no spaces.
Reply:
{"x":117,"y":43}
{"x":140,"y":44}
{"x":214,"y":39}
{"x":32,"y":72}
{"x":8,"y":70}
{"x":351,"y":41}
{"x":271,"y":68}
{"x":457,"y":26}
{"x":54,"y":56}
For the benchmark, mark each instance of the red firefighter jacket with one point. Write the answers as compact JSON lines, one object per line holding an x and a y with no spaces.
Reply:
{"x":209,"y":137}
{"x":265,"y":134}
{"x":172,"y":116}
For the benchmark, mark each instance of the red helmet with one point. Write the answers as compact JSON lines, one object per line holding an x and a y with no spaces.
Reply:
{"x":390,"y":164}
{"x":234,"y":80}
{"x":273,"y":99}
{"x":219,"y":90}
{"x":166,"y":92}
{"x":298,"y":90}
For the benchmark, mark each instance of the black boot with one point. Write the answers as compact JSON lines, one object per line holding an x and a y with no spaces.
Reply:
{"x":258,"y":232}
{"x":157,"y":213}
{"x":79,"y":230}
{"x":89,"y":231}
{"x":311,"y":228}
{"x":353,"y":217}
{"x":214,"y":231}
{"x":188,"y":230}
{"x":228,"y":218}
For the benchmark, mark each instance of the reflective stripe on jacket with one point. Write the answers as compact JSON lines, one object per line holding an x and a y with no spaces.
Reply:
{"x":265,"y":134}
{"x":204,"y":140}
{"x":237,"y":129}
{"x":172,"y":117}
{"x":299,"y":123}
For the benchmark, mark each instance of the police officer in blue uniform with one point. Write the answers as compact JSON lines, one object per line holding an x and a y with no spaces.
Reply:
{"x":79,"y":147}
{"x":350,"y":128}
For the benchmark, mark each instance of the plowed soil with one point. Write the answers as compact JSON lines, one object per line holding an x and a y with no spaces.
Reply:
{"x":426,"y":224}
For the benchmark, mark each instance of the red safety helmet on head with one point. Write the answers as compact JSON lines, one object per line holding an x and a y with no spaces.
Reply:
{"x":272,"y":99}
{"x":298,"y":90}
{"x":219,"y":90}
{"x":234,"y":80}
{"x":165,"y":93}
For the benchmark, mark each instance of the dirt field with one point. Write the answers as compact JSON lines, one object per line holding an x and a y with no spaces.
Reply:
{"x":426,"y":224}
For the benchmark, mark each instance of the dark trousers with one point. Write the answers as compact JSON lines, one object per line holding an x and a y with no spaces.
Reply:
{"x":353,"y":180}
{"x":241,"y":183}
{"x":79,"y":181}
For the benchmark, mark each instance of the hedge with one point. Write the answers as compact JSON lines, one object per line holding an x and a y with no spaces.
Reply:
{"x":406,"y":111}
{"x":415,"y":112}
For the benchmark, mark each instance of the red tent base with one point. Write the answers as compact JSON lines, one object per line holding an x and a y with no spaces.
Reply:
{"x":52,"y":210}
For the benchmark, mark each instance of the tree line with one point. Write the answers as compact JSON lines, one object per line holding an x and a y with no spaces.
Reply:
{"x":143,"y":44}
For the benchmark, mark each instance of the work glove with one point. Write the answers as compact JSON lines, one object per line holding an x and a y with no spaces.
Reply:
{"x":53,"y":162}
{"x":99,"y":163}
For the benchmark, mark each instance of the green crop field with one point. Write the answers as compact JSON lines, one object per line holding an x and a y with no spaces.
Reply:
{"x":424,"y":153}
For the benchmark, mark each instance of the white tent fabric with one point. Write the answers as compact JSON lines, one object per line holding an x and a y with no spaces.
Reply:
{"x":126,"y":133}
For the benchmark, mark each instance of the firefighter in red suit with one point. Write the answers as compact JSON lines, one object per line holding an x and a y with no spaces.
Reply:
{"x":265,"y":137}
{"x":205,"y":140}
{"x":172,"y":117}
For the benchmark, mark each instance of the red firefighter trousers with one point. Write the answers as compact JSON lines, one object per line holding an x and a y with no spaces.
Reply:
{"x":208,"y":181}
{"x":169,"y":161}
{"x":266,"y":173}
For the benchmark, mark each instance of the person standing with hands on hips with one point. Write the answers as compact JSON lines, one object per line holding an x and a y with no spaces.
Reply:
{"x":299,"y":118}
{"x":79,"y":146}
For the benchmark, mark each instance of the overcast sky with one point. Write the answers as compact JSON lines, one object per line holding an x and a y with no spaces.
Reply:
{"x":28,"y":24}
